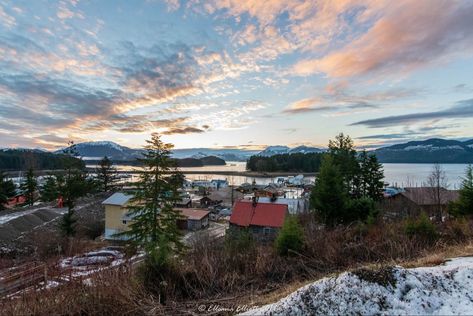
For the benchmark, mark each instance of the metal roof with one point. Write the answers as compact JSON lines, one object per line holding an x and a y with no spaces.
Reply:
{"x":119,"y":199}
{"x":263,"y":214}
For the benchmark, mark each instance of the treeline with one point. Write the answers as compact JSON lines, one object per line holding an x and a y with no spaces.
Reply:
{"x":14,"y":159}
{"x":184,"y":162}
{"x":285,"y":163}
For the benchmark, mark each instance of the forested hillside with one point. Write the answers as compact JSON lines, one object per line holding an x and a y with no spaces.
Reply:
{"x":285,"y":162}
{"x":17,"y":159}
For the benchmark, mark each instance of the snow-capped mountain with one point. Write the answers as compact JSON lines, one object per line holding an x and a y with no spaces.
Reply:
{"x":433,"y":150}
{"x":97,"y":150}
{"x":278,"y":150}
{"x":116,"y":152}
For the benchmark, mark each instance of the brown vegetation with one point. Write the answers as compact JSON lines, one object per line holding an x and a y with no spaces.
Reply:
{"x":215,"y":271}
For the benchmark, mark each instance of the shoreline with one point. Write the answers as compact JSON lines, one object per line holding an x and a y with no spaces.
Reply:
{"x":190,"y":172}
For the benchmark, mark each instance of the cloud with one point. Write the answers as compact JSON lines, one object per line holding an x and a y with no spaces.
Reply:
{"x":462,"y":109}
{"x":184,"y":130}
{"x":410,"y":35}
{"x":6,"y":19}
{"x":338,"y":97}
{"x":306,"y":105}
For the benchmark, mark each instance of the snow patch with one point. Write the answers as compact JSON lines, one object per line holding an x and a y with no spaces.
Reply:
{"x":439,"y":290}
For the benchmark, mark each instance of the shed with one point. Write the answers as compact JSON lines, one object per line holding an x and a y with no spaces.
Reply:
{"x":194,"y":219}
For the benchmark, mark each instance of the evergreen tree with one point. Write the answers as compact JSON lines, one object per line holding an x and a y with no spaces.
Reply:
{"x":3,"y":195}
{"x":370,"y":177}
{"x":49,"y":190}
{"x":290,"y":238}
{"x":7,"y":190}
{"x":329,"y":197}
{"x":343,"y":152}
{"x":71,"y":187}
{"x":154,"y":222}
{"x":464,"y":205}
{"x":28,"y":187}
{"x":106,"y":174}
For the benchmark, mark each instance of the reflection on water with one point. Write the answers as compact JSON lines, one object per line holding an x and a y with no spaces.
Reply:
{"x":400,"y":174}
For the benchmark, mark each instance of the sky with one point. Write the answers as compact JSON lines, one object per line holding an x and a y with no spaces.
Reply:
{"x":234,"y":73}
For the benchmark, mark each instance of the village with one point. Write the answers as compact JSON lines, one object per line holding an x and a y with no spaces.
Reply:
{"x":210,"y":207}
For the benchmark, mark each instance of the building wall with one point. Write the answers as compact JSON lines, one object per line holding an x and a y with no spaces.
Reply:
{"x":198,"y":224}
{"x":400,"y":207}
{"x":114,"y":215}
{"x":259,"y":233}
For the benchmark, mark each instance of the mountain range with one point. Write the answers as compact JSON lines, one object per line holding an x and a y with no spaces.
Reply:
{"x":434,"y":150}
{"x":116,"y":152}
{"x":427,"y":151}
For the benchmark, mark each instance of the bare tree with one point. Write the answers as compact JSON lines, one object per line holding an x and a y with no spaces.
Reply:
{"x":437,"y":183}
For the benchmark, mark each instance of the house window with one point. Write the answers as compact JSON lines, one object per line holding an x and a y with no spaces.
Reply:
{"x":124,"y":222}
{"x":266,"y":230}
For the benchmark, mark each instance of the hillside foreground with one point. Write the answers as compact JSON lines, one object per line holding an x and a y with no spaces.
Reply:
{"x":437,"y":290}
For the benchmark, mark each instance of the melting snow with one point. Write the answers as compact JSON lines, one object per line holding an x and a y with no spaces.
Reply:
{"x":439,"y":290}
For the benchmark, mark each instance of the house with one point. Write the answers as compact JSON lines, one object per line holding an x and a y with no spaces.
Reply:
{"x":263,"y":220}
{"x":202,"y":183}
{"x":294,"y":206}
{"x":227,"y":195}
{"x":295,"y":181}
{"x":207,"y":201}
{"x":194,"y":219}
{"x":117,"y":218}
{"x":410,"y":202}
{"x":218,"y":184}
{"x":184,"y":200}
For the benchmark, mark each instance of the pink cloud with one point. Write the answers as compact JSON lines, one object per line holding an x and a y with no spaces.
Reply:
{"x":410,"y":35}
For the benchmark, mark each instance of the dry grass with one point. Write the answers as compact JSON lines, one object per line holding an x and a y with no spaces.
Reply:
{"x":249,"y":273}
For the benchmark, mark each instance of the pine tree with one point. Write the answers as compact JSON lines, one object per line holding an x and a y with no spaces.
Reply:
{"x":106,"y":174}
{"x":28,"y":187}
{"x":329,"y":197}
{"x":49,"y":190}
{"x":154,"y":222}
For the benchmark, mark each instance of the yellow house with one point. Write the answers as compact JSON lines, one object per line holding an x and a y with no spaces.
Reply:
{"x":117,"y":218}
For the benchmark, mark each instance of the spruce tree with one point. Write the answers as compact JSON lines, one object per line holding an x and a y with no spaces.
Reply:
{"x":7,"y":190}
{"x":28,"y":187}
{"x":290,"y":238}
{"x":3,"y":193}
{"x":329,"y":197}
{"x":106,"y":174}
{"x":154,"y":223}
{"x":49,"y":190}
{"x":371,"y":176}
{"x":72,"y":187}
{"x":343,"y":152}
{"x":464,"y":205}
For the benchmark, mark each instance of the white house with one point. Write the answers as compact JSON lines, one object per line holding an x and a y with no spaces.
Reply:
{"x":218,"y":184}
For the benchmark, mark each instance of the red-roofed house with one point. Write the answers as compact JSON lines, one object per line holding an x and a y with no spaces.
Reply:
{"x":263,"y":220}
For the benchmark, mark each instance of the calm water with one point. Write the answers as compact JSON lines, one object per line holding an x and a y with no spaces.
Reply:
{"x":401,"y":174}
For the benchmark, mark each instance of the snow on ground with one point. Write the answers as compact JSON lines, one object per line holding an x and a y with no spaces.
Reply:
{"x":8,"y":217}
{"x":439,"y":290}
